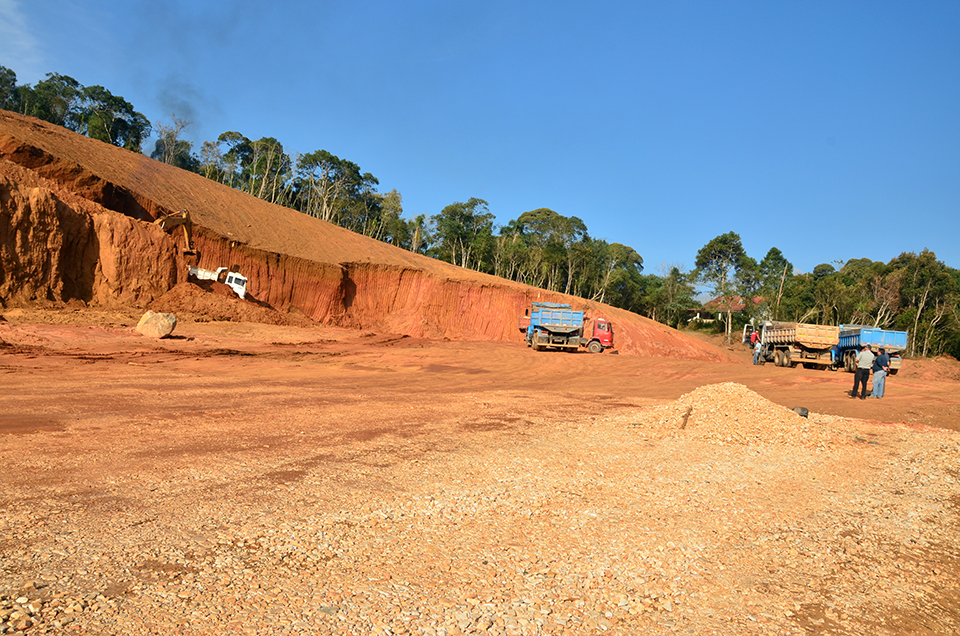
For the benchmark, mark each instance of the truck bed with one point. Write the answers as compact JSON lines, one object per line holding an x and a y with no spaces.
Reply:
{"x":802,"y":334}
{"x":557,"y":319}
{"x":855,"y":337}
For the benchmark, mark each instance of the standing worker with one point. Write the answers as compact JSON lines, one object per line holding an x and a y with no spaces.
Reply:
{"x":864,"y":363}
{"x":881,"y":367}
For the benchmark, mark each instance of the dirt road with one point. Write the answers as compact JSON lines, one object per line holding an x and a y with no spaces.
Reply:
{"x":244,"y":478}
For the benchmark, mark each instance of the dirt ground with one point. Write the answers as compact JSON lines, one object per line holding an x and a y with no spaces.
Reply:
{"x":251,"y":478}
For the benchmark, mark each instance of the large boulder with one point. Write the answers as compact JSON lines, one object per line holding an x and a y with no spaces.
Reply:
{"x":157,"y":325}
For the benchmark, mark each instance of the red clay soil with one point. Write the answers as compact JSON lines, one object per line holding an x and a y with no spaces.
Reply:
{"x":76,"y":224}
{"x":133,"y":466}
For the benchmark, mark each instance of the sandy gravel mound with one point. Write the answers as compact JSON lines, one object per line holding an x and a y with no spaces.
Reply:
{"x":730,"y":413}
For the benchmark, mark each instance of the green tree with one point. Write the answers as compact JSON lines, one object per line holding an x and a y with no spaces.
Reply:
{"x":676,"y":297}
{"x":548,"y":234}
{"x":390,"y":227}
{"x":322,"y":182}
{"x":929,"y":294}
{"x":718,"y":262}
{"x":9,"y":96}
{"x":822,"y":270}
{"x":361,"y":209}
{"x":833,"y":299}
{"x":99,"y":114}
{"x":575,"y":241}
{"x":774,"y":272}
{"x":614,"y":261}
{"x":464,"y":232}
{"x":511,"y":252}
{"x":421,"y":234}
{"x":235,"y":160}
{"x":53,"y":99}
{"x":269,"y":171}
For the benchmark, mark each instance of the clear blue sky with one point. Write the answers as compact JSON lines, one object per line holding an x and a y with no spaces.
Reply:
{"x":830,"y":130}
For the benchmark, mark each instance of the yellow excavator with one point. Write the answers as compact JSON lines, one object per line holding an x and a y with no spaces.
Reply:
{"x":168,"y":222}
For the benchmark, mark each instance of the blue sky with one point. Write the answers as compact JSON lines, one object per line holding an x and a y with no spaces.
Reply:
{"x":830,"y":130}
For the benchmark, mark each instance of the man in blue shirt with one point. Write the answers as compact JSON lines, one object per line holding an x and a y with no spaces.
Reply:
{"x":881,"y":367}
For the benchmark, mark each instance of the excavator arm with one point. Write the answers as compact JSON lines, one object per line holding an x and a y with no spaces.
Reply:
{"x":171,"y":221}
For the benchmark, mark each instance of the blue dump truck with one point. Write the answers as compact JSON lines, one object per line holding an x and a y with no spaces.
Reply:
{"x":853,"y":337}
{"x":559,"y":326}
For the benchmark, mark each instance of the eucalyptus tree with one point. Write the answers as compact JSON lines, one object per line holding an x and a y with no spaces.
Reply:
{"x":546,"y":234}
{"x":511,"y":253}
{"x":390,"y":226}
{"x":268,"y":174}
{"x":930,"y":293}
{"x":360,"y":207}
{"x":421,"y":234}
{"x":171,"y":148}
{"x":575,"y":241}
{"x":774,"y":272}
{"x":614,"y":260}
{"x":718,"y":263}
{"x":235,"y":160}
{"x":322,"y":180}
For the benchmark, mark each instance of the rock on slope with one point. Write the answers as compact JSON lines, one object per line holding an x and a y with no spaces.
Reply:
{"x":76,"y":223}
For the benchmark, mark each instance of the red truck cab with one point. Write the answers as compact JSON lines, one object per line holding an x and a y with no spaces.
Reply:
{"x":602,"y":337}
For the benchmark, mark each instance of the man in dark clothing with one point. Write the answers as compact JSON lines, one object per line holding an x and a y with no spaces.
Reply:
{"x":862,"y":376}
{"x":881,"y":367}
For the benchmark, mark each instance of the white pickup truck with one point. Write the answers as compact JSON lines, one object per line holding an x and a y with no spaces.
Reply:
{"x":235,"y":281}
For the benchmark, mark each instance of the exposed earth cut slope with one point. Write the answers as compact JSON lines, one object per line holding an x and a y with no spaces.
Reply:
{"x":76,"y":225}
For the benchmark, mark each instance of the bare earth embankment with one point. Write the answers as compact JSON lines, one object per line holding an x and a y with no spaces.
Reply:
{"x":255,"y":479}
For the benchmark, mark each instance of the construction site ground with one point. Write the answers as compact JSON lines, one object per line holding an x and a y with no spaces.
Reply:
{"x":243,"y":478}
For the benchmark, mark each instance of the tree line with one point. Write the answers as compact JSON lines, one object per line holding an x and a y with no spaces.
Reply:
{"x":916,"y":293}
{"x":542,"y":248}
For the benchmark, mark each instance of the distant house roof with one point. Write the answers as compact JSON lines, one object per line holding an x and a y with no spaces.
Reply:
{"x":733,"y":303}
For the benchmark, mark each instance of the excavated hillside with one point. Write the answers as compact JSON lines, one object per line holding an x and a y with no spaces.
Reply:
{"x":76,"y":224}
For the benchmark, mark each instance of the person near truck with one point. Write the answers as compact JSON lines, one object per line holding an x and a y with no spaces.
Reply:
{"x":881,"y":367}
{"x":756,"y":352}
{"x":862,"y":376}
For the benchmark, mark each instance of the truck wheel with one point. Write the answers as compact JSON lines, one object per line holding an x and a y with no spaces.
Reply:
{"x":778,"y":358}
{"x":894,"y":371}
{"x":595,"y":347}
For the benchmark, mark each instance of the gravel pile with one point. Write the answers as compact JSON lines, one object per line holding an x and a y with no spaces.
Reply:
{"x":730,"y":413}
{"x":739,"y":522}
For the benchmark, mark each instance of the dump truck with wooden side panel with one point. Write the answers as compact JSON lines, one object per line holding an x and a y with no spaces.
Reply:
{"x":853,"y":337}
{"x":787,"y":344}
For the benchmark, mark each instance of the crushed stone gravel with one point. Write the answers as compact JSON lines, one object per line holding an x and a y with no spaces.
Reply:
{"x":717,"y":513}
